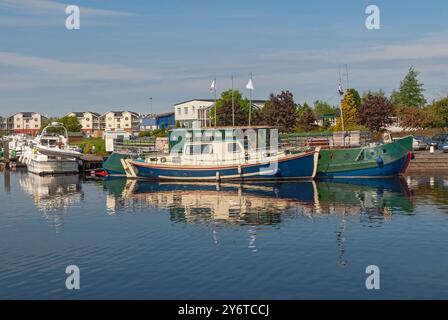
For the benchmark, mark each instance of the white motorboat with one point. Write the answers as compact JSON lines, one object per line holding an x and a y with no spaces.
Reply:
{"x":50,"y":153}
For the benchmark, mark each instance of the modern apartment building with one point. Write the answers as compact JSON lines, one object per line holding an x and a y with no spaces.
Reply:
{"x":127,"y":120}
{"x":26,"y":122}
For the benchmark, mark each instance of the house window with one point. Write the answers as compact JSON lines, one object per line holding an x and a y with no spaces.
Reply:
{"x":18,"y":126}
{"x":87,"y":119}
{"x":36,"y":126}
{"x":110,"y":118}
{"x":179,"y":111}
{"x":126,"y":118}
{"x":27,"y":121}
{"x":186,"y":110}
{"x":35,"y":119}
{"x":118,"y":126}
{"x":127,"y":125}
{"x":110,"y":126}
{"x":87,"y":125}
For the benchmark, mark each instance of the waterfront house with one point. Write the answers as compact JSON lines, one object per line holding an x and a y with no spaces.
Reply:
{"x":127,"y":120}
{"x":3,"y":123}
{"x":196,"y":113}
{"x":193,"y":113}
{"x":26,"y":122}
{"x":90,"y":121}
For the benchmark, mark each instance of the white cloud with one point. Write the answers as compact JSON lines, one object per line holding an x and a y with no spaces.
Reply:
{"x":53,"y":7}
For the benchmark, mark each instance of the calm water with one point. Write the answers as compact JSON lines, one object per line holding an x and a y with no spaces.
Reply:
{"x":206,"y":241}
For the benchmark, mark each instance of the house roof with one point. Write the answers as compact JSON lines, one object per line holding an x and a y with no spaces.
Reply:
{"x":203,"y":100}
{"x":120,"y":113}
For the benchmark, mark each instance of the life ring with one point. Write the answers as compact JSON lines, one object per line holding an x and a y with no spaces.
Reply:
{"x":163,"y":159}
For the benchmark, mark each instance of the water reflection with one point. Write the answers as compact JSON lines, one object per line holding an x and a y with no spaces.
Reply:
{"x":52,"y":195}
{"x":374,"y":201}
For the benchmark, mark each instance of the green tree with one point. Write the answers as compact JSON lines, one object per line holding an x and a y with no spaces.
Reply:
{"x":411,"y":91}
{"x":322,"y":108}
{"x":306,"y":120}
{"x":439,"y":111}
{"x":70,"y":123}
{"x":224,"y":109}
{"x":281,"y":112}
{"x":349,"y":113}
{"x":379,"y":93}
{"x":356,"y":97}
{"x":376,"y":112}
{"x":416,"y":118}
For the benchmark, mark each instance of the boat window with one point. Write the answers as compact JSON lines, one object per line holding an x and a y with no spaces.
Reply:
{"x":233,"y":147}
{"x":199,"y":149}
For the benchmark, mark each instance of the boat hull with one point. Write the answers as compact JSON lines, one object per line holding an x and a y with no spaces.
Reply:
{"x":301,"y":166}
{"x":386,"y":160}
{"x":113,"y":165}
{"x":53,"y":167}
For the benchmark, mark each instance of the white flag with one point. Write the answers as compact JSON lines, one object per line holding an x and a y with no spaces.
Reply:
{"x":213,"y":85}
{"x":250,"y":85}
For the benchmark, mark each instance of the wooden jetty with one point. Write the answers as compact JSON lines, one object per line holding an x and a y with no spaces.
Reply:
{"x":425,"y":161}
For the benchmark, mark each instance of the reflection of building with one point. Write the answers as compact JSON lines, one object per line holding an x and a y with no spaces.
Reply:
{"x":53,"y":195}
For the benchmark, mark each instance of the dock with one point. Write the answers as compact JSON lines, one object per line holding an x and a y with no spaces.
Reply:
{"x":425,"y":161}
{"x":90,"y":162}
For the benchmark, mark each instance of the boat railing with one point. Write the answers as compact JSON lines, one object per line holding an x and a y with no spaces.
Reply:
{"x":324,"y":140}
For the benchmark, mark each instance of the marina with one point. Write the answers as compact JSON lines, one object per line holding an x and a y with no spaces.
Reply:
{"x":222,"y":241}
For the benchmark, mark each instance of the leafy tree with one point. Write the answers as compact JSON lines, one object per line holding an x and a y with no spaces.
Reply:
{"x":70,"y":123}
{"x":224,"y":109}
{"x":376,"y":112}
{"x":322,"y":108}
{"x":356,"y":97}
{"x":411,"y":91}
{"x":349,"y":113}
{"x":439,"y":111}
{"x":281,"y":111}
{"x":416,"y":118}
{"x":379,"y":93}
{"x":306,"y":120}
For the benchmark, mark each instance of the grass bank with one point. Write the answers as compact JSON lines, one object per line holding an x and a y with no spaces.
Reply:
{"x":95,"y":146}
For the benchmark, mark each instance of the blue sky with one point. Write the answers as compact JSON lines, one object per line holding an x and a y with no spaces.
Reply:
{"x":128,"y":51}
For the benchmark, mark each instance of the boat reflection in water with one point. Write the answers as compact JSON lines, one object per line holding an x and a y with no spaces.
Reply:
{"x":263,"y":203}
{"x":53,"y":195}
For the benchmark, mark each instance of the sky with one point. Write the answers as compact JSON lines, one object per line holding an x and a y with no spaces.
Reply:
{"x":128,"y":51}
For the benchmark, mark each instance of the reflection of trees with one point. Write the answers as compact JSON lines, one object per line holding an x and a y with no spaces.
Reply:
{"x":261,"y":204}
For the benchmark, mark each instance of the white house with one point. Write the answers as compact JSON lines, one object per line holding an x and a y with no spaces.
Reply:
{"x":193,"y":113}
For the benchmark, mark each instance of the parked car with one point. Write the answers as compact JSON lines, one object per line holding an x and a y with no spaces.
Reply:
{"x":439,"y":138}
{"x":429,"y":142}
{"x":443,"y":145}
{"x":419,"y":144}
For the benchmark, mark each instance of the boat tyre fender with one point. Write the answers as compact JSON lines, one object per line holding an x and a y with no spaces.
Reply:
{"x":379,"y":161}
{"x":163,"y":159}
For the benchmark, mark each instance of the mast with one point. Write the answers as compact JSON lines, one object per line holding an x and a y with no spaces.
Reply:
{"x":341,"y":93}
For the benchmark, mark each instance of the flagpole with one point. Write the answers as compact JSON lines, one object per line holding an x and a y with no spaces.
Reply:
{"x":215,"y":103}
{"x":233,"y":107}
{"x":250,"y":100}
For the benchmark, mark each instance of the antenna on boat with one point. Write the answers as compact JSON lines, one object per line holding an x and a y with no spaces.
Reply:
{"x":341,"y":93}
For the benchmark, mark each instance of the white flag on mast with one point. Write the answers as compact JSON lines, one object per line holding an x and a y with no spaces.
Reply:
{"x":213,"y":85}
{"x":250,"y":85}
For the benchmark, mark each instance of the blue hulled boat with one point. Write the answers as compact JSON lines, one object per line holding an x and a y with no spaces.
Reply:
{"x":224,"y":159}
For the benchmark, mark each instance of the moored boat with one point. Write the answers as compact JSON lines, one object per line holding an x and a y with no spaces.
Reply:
{"x":384,"y":160}
{"x":49,"y":152}
{"x":225,"y":158}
